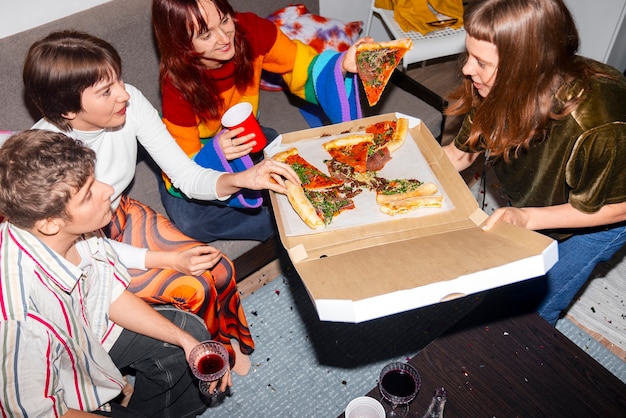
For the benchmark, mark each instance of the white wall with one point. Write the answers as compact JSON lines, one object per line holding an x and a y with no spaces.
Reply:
{"x":602,"y":29}
{"x":20,"y":15}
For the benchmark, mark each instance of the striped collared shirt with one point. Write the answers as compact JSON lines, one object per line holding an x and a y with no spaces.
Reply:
{"x":54,"y":325}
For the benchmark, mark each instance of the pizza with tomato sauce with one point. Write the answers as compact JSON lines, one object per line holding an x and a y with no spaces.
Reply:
{"x":372,"y":150}
{"x":353,"y":165}
{"x":310,"y":176}
{"x":320,"y":198}
{"x":351,"y":149}
{"x":376,"y":62}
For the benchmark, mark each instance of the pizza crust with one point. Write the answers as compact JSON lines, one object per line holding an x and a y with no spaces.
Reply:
{"x":347,"y":141}
{"x":426,"y":189}
{"x":284,"y":155}
{"x":302,"y":206}
{"x":407,"y":205}
{"x":404,"y":43}
{"x":399,"y":136}
{"x":423,"y":196}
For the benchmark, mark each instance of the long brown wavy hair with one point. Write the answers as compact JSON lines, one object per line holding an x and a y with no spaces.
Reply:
{"x":536,"y":42}
{"x":174,"y":23}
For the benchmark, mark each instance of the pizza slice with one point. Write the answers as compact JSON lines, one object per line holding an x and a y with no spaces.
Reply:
{"x":317,"y":207}
{"x":404,"y":195}
{"x":310,"y":176}
{"x":389,"y":134}
{"x":320,"y":198}
{"x":352,"y":150}
{"x":375,"y":62}
{"x":411,"y":203}
{"x":353,"y":181}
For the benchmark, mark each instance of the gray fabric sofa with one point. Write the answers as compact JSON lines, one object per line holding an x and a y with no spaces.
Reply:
{"x":126,"y":25}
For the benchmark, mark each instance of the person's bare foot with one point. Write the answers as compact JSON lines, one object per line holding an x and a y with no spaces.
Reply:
{"x":242,"y":361}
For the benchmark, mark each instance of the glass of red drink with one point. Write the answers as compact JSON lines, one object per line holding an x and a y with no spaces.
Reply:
{"x":209,"y":360}
{"x":398,"y":384}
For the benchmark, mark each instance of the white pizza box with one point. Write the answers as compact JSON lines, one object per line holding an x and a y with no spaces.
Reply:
{"x":360,"y":267}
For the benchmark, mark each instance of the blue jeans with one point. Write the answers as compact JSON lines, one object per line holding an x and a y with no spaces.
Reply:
{"x":578,"y":256}
{"x":164,"y":383}
{"x":208,"y":221}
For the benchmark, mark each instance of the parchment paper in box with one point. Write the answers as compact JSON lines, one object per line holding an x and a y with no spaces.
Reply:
{"x":406,"y":163}
{"x":365,"y":272}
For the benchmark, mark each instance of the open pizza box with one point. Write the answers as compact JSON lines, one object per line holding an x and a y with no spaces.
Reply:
{"x":367,"y":265}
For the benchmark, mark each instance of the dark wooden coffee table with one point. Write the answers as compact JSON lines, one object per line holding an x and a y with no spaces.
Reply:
{"x":517,"y":366}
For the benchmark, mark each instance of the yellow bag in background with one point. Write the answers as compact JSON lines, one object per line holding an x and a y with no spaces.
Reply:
{"x":425,"y":16}
{"x":384,"y":4}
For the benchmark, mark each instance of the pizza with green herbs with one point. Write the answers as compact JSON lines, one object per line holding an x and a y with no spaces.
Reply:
{"x":376,"y":62}
{"x":320,"y":198}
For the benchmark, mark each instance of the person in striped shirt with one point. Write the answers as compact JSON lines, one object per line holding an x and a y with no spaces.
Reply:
{"x":68,"y":324}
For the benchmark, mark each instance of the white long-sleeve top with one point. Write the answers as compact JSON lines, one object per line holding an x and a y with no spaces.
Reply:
{"x":116,"y":151}
{"x":116,"y":160}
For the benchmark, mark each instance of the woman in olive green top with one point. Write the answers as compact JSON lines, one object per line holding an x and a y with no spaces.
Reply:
{"x":553,"y":127}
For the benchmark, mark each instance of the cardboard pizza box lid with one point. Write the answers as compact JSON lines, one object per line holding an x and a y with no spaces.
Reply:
{"x":368,"y":271}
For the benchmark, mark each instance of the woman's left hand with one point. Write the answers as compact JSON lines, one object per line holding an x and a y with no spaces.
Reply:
{"x":349,"y":59}
{"x":509,"y":214}
{"x":234,"y":146}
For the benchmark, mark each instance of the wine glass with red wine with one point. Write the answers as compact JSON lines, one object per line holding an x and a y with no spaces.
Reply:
{"x":209,"y":360}
{"x":398,"y":384}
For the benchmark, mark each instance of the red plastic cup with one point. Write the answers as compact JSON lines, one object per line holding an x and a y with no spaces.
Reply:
{"x":241,"y":115}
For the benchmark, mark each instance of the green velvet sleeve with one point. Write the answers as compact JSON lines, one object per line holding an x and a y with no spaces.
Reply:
{"x":596,"y":170}
{"x":460,"y":140}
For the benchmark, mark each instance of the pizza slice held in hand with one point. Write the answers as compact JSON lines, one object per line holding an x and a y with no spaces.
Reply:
{"x":320,"y":198}
{"x":375,"y":63}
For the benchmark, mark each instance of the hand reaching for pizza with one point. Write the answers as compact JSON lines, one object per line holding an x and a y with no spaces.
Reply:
{"x":268,"y":174}
{"x":349,"y":60}
{"x":234,"y":146}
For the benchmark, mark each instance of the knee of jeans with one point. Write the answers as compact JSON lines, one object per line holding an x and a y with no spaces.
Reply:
{"x":187,"y":321}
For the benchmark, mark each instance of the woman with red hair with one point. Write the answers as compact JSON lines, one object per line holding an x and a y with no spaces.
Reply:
{"x":212,"y":58}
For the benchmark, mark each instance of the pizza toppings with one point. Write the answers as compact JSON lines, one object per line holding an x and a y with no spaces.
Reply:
{"x":354,"y":162}
{"x":377,"y":160}
{"x":310,"y":176}
{"x":319,"y":199}
{"x":376,"y":63}
{"x":352,"y":150}
{"x":399,"y":186}
{"x":390,"y":134}
{"x":404,"y":195}
{"x":329,"y":203}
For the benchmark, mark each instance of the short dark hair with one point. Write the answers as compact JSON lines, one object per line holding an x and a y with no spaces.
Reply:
{"x":40,"y":171}
{"x":59,"y":67}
